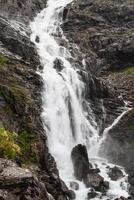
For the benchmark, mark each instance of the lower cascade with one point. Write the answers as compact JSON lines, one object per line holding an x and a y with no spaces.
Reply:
{"x":72,"y":138}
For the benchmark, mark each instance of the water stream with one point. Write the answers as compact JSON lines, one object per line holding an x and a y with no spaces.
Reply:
{"x":63,"y":116}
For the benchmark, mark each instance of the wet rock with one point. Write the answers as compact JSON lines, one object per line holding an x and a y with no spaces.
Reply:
{"x":37,"y":39}
{"x":91,"y":194}
{"x":74,"y":185}
{"x":71,"y":194}
{"x":121,"y":198}
{"x":115,"y":173}
{"x":58,"y":65}
{"x":94,"y":180}
{"x":97,"y":182}
{"x":80,"y":161}
{"x":131,"y":177}
{"x":93,"y":171}
{"x":131,"y":191}
{"x":131,"y":182}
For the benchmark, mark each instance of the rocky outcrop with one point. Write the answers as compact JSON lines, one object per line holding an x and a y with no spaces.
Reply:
{"x":21,"y":10}
{"x":119,"y":143}
{"x":17,"y":183}
{"x":103,"y":30}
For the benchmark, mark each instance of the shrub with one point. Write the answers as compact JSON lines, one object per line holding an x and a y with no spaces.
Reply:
{"x":8,"y":146}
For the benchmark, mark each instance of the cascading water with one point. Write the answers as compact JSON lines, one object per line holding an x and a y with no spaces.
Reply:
{"x":64,"y":118}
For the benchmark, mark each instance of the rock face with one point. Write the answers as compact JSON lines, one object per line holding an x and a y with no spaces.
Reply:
{"x":21,"y":10}
{"x":17,"y":183}
{"x":20,"y":104}
{"x":121,"y":138}
{"x":104,"y":33}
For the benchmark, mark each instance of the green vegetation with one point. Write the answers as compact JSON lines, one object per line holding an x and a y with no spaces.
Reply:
{"x":129,"y":71}
{"x":8,"y":146}
{"x":20,"y":93}
{"x":22,"y":145}
{"x":3,"y":60}
{"x":28,"y":147}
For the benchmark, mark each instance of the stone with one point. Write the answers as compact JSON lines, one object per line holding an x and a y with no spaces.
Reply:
{"x":16,"y":181}
{"x":58,"y":65}
{"x":131,"y":178}
{"x":115,"y":173}
{"x":71,"y":194}
{"x":74,"y":185}
{"x":37,"y":39}
{"x":91,"y":194}
{"x":80,"y":161}
{"x":96,"y":182}
{"x":92,"y":171}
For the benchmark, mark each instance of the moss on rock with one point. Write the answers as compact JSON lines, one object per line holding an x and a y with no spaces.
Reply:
{"x":129,"y":71}
{"x":28,"y":147}
{"x":3,"y":60}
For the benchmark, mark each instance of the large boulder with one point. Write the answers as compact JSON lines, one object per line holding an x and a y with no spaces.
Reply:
{"x":115,"y":173}
{"x":58,"y":65}
{"x":74,"y":185}
{"x":80,"y":161}
{"x":91,"y":194}
{"x":97,"y":182}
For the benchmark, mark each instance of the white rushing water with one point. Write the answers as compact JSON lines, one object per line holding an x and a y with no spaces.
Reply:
{"x":64,"y":118}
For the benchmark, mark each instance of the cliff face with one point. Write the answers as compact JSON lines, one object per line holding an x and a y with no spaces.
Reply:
{"x":20,"y":109}
{"x":103,"y":30}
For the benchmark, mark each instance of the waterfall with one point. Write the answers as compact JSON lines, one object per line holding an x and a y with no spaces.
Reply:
{"x":63,"y":116}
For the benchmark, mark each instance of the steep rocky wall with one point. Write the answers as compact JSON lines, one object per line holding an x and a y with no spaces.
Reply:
{"x":20,"y":105}
{"x":104,"y":32}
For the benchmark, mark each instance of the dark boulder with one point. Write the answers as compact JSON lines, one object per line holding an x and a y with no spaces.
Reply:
{"x":122,"y":198}
{"x":93,"y":171}
{"x":91,"y":194}
{"x":131,"y":182}
{"x":37,"y":39}
{"x":131,"y":178}
{"x":58,"y":65}
{"x":131,"y":191}
{"x":115,"y":173}
{"x":80,"y":161}
{"x":71,"y":194}
{"x":74,"y":185}
{"x":97,"y":182}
